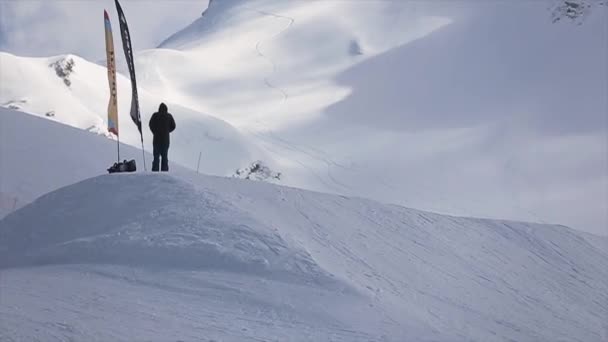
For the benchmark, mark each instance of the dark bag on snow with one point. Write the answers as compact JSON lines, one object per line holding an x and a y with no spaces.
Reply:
{"x":124,"y":166}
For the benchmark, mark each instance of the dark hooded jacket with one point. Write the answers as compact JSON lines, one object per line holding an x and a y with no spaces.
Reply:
{"x":161,"y":124}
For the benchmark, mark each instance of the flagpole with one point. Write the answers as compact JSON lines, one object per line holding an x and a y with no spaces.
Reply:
{"x":143,"y":153}
{"x":128,"y":50}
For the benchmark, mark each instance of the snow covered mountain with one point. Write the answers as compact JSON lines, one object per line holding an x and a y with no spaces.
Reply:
{"x":471,"y":109}
{"x":79,"y":98}
{"x":438,"y":106}
{"x":183,"y":256}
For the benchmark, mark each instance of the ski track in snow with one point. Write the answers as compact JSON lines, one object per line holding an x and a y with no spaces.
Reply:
{"x":271,"y":136}
{"x":307,"y":167}
{"x":258,"y":45}
{"x":277,"y":142}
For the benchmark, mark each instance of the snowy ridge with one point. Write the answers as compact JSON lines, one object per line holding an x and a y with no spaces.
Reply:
{"x":451,"y":278}
{"x":260,"y":53}
{"x":212,"y":19}
{"x":33,"y":85}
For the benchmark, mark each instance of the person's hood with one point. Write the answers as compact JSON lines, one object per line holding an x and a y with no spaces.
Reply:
{"x":162,"y":108}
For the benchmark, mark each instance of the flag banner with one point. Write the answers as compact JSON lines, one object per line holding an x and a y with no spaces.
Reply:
{"x":127,"y":47}
{"x":111,"y":63}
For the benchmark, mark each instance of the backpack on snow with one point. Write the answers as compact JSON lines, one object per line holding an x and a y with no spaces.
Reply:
{"x":124,"y":166}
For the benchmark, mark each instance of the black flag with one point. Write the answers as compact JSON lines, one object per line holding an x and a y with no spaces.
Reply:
{"x":127,"y":48}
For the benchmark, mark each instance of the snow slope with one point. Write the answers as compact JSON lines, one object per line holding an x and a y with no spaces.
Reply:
{"x":30,"y":85}
{"x":190,"y":257}
{"x":440,"y":106}
{"x":38,"y":156}
{"x":275,"y":60}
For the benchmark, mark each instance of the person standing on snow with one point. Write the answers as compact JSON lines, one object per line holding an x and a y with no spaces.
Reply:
{"x":161,"y":124}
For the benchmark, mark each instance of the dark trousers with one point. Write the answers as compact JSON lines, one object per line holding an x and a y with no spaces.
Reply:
{"x":160,"y":151}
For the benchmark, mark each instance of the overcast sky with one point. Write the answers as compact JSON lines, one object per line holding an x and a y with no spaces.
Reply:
{"x":54,"y":27}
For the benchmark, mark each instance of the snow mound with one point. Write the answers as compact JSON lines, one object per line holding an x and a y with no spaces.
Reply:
{"x":149,"y":220}
{"x":449,"y":277}
{"x":38,"y":156}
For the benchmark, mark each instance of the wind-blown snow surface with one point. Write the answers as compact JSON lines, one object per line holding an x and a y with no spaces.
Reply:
{"x":189,"y":257}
